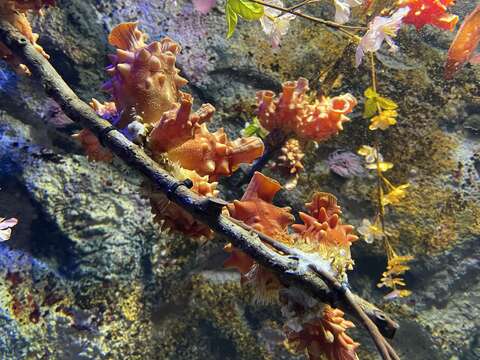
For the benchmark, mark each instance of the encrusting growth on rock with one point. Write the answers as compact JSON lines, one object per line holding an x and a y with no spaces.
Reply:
{"x":290,"y":162}
{"x":148,"y":105}
{"x":213,"y":154}
{"x":144,"y":88}
{"x":310,"y":325}
{"x":294,"y":113}
{"x":14,"y":11}
{"x":302,"y":118}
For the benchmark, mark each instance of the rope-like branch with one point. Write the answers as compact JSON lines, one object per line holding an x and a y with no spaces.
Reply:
{"x":331,"y":24}
{"x":319,"y":283}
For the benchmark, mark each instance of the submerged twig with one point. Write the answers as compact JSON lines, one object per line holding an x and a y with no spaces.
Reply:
{"x":345,"y":297}
{"x":340,"y":27}
{"x":274,"y":141}
{"x":322,"y":286}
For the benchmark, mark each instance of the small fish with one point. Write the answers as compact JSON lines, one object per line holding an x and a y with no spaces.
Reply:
{"x":463,"y":46}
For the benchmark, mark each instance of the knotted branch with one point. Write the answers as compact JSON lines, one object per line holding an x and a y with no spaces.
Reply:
{"x":284,"y":261}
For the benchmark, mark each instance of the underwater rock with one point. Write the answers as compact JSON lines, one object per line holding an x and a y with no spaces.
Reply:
{"x":96,"y":236}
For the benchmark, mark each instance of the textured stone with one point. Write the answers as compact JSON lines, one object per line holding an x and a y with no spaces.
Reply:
{"x":87,"y":242}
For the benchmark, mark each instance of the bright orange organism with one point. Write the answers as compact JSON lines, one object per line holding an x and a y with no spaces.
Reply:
{"x":92,"y":146}
{"x":213,"y":154}
{"x":464,"y":45}
{"x":145,"y":81}
{"x":296,"y":114}
{"x":325,"y":337}
{"x":324,"y":224}
{"x":177,"y":126}
{"x":317,"y":328}
{"x":14,"y":12}
{"x":429,"y":12}
{"x":256,"y":210}
{"x":148,"y":107}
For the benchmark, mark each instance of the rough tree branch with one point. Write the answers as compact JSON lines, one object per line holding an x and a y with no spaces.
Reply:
{"x":317,"y":282}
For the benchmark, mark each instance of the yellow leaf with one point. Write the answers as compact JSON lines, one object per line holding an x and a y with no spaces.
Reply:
{"x":382,"y":166}
{"x":370,"y":93}
{"x":386,"y":103}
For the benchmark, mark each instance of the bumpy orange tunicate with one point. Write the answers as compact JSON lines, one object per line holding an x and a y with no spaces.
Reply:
{"x":14,"y":12}
{"x":213,"y":154}
{"x":293,"y":112}
{"x":325,"y":337}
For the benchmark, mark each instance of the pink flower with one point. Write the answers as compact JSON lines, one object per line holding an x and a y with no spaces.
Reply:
{"x":204,"y":6}
{"x":380,"y":29}
{"x":6,"y":226}
{"x":275,"y":23}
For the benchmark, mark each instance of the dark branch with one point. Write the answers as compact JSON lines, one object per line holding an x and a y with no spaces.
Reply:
{"x":320,"y":284}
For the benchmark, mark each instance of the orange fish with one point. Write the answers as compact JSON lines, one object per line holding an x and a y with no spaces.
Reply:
{"x":463,"y":46}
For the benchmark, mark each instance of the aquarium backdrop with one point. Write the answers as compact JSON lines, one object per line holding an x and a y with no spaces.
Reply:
{"x":239,"y":179}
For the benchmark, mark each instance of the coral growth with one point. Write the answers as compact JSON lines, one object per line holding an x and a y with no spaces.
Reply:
{"x":92,"y":146}
{"x":213,"y":154}
{"x":149,"y":108}
{"x":14,"y":11}
{"x":144,"y":80}
{"x":290,"y":161}
{"x":323,"y":233}
{"x":294,"y":113}
{"x":178,"y":125}
{"x":325,"y":336}
{"x":433,"y":12}
{"x":309,"y":325}
{"x":256,"y":210}
{"x":304,"y":118}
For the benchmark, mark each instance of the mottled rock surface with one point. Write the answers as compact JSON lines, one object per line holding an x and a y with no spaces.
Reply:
{"x":88,"y":275}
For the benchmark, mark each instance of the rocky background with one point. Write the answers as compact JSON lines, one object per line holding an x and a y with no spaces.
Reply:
{"x":88,"y":275}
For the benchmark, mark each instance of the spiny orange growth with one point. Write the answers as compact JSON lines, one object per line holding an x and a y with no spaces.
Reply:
{"x":464,"y":45}
{"x":293,"y":112}
{"x":92,"y":146}
{"x":177,"y":126}
{"x":145,"y":89}
{"x":325,"y":337}
{"x":323,"y":203}
{"x":14,"y":11}
{"x":291,"y":157}
{"x":433,"y":12}
{"x":290,"y":162}
{"x":172,"y":216}
{"x":144,"y":81}
{"x":90,"y":143}
{"x":324,"y":225}
{"x":106,"y":110}
{"x":213,"y":154}
{"x":256,"y":210}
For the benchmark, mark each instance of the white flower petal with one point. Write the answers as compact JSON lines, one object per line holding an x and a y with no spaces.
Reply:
{"x":359,"y":55}
{"x":9,"y":223}
{"x":342,"y":11}
{"x":5,"y":234}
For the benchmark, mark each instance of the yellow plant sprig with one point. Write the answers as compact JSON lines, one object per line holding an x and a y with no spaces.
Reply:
{"x":382,"y":114}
